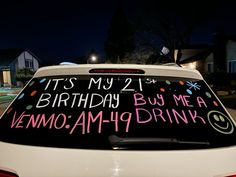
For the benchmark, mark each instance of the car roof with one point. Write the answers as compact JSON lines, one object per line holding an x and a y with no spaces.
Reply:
{"x":149,"y":70}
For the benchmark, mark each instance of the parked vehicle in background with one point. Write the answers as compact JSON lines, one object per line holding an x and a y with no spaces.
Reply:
{"x":117,"y":120}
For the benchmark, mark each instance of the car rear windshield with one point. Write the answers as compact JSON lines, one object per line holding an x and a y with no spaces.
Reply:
{"x":117,"y":112}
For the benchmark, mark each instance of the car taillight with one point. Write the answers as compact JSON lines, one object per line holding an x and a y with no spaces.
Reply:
{"x":233,"y":175}
{"x":124,"y":71}
{"x":4,"y":173}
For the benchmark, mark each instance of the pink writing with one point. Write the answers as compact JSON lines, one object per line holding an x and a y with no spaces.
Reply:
{"x":156,"y":100}
{"x":86,"y":120}
{"x":182,"y":100}
{"x":144,"y":116}
{"x":200,"y":101}
{"x":39,"y":120}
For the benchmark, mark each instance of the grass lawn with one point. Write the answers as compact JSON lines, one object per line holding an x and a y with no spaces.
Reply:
{"x":8,"y":94}
{"x":7,"y":98}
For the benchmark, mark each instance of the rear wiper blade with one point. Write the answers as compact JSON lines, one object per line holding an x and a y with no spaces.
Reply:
{"x":118,"y":141}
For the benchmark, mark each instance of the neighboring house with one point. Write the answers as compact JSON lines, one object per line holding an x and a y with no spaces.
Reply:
{"x":194,"y":56}
{"x":201,"y":57}
{"x":230,"y":58}
{"x":13,"y":59}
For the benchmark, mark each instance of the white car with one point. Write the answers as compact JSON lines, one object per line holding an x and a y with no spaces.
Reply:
{"x":109,"y":120}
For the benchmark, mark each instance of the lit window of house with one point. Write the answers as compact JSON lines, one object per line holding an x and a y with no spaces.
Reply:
{"x":28,"y":63}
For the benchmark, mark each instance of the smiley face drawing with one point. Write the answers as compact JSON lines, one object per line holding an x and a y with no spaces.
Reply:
{"x":220,"y":122}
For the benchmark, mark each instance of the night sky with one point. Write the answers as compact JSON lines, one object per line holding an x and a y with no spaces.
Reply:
{"x":65,"y":29}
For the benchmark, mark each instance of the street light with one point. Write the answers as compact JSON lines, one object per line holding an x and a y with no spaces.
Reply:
{"x":92,"y":59}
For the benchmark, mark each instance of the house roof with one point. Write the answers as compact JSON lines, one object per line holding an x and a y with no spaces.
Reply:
{"x":7,"y":56}
{"x":200,"y":55}
{"x":194,"y":52}
{"x":195,"y":46}
{"x":191,"y":53}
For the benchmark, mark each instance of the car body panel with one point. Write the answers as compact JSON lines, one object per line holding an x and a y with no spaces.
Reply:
{"x":31,"y":161}
{"x":149,"y":70}
{"x":28,"y":160}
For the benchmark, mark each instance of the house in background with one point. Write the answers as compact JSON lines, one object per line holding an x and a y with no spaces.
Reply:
{"x":230,"y":58}
{"x":201,"y":57}
{"x":12,"y":60}
{"x":194,"y":56}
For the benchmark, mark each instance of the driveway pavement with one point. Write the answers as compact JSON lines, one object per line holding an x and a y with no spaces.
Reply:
{"x":6,"y":96}
{"x":232,"y":113}
{"x":3,"y":107}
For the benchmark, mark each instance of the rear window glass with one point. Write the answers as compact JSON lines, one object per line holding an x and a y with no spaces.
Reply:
{"x":117,"y":112}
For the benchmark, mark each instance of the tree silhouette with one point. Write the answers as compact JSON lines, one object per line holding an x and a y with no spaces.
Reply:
{"x":173,"y":21}
{"x":219,"y":51}
{"x":120,"y":38}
